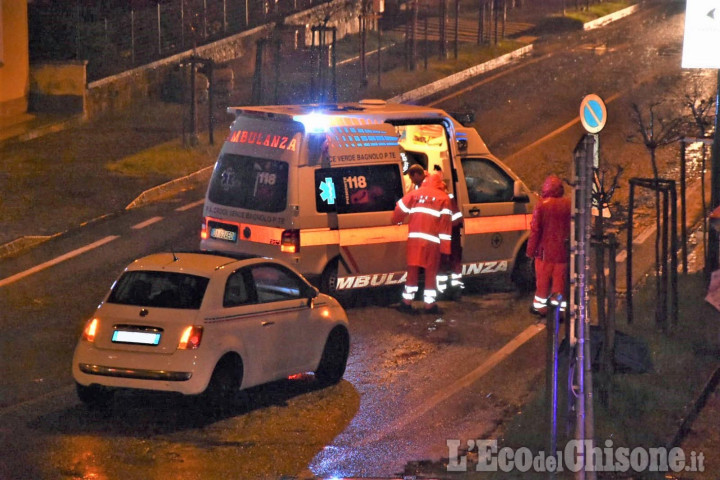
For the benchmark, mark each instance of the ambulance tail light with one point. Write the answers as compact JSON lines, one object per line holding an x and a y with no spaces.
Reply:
{"x":290,"y":241}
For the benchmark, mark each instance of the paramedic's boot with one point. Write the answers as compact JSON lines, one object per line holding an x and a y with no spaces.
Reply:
{"x":433,"y":309}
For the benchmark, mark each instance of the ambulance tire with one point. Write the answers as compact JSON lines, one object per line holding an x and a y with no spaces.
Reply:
{"x":523,"y":274}
{"x":328,"y":282}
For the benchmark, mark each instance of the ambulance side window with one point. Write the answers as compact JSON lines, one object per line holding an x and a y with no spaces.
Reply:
{"x":486,"y":182}
{"x":365,"y":188}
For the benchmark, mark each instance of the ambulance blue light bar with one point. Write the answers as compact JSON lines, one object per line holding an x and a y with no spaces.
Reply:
{"x":314,"y":122}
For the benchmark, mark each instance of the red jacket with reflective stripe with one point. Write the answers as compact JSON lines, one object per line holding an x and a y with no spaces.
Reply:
{"x":429,"y":210}
{"x":550,"y":226}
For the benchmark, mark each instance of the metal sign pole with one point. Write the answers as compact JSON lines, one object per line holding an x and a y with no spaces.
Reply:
{"x":593,"y":115}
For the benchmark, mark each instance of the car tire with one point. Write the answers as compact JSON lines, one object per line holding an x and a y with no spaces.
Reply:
{"x":94,"y":396}
{"x":224,"y":386}
{"x":328,"y":283}
{"x":334,"y":357}
{"x":523,"y":274}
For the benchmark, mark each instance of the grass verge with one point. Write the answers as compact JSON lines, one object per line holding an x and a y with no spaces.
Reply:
{"x":171,"y":159}
{"x":645,"y":410}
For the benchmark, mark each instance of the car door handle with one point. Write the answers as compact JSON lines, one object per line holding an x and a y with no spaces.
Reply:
{"x":474,"y":212}
{"x":267,"y":323}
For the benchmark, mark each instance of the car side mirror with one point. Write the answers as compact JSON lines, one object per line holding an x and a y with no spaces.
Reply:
{"x":311,"y":294}
{"x":519,"y":194}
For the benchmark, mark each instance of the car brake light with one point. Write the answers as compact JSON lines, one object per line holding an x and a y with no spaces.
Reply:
{"x":203,"y":231}
{"x":190,"y":338}
{"x":290,"y":241}
{"x":90,"y":330}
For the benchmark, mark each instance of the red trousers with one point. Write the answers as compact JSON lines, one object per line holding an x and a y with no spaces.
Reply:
{"x":411,"y":282}
{"x":549,"y":279}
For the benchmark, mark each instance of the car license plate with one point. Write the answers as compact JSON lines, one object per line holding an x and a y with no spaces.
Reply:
{"x":142,"y":338}
{"x":220,"y":231}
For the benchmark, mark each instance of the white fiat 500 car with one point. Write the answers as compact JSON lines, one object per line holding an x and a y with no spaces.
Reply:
{"x":212,"y":324}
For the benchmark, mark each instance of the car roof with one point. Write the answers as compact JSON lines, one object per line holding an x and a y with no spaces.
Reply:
{"x":194,"y":263}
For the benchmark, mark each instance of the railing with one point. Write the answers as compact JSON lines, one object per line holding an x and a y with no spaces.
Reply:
{"x":115,"y":39}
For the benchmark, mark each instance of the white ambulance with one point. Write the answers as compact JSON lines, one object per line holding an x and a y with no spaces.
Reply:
{"x":316,"y":185}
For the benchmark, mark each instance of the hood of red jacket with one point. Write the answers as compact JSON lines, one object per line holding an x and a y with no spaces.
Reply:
{"x":552,"y":187}
{"x":434,"y":181}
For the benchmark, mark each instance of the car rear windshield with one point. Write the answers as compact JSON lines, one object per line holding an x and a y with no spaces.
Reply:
{"x":250,"y":183}
{"x":159,"y":289}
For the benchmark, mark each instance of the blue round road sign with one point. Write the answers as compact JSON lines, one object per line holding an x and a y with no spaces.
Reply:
{"x":593,"y":113}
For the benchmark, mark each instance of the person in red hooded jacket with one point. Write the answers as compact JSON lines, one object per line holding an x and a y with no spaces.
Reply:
{"x":548,"y":243}
{"x":429,"y":214}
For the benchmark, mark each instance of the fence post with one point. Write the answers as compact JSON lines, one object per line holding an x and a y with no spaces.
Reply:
{"x":132,"y":35}
{"x":159,"y":32}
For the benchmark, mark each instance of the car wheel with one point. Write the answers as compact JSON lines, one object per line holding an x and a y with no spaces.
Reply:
{"x":523,"y":274}
{"x":328,"y":284}
{"x":94,"y":396}
{"x":334,"y":357}
{"x":224,"y":386}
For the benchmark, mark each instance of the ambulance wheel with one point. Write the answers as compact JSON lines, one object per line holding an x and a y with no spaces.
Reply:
{"x":523,"y":274}
{"x":328,"y":284}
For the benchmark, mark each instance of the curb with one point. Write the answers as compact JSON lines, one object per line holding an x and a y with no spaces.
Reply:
{"x":23,"y":243}
{"x":40,"y":131}
{"x":452,"y":80}
{"x":602,"y":21}
{"x":167,"y":189}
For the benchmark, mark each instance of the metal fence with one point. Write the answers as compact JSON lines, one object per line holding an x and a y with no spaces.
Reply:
{"x":117,"y":38}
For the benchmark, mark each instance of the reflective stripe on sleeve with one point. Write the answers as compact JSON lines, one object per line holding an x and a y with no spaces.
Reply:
{"x":402,"y":206}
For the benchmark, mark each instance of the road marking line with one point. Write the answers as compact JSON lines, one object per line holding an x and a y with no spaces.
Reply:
{"x":460,"y":384}
{"x":644,"y":236}
{"x":190,"y":205}
{"x":557,"y":131}
{"x":621,"y":257}
{"x":55,"y":261}
{"x":147,"y":222}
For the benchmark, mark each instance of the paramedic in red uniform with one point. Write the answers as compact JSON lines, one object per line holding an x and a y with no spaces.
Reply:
{"x":429,"y":213}
{"x":451,"y":265}
{"x":549,"y":233}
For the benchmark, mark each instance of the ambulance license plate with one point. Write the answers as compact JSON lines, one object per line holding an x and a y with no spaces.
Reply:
{"x":221,"y":231}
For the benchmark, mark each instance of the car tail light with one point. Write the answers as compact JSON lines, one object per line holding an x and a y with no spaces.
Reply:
{"x":90,"y":330}
{"x":190,"y":338}
{"x":290,"y":241}
{"x":203,"y":231}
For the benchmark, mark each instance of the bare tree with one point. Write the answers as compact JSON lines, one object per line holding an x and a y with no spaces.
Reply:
{"x":657,"y":128}
{"x":699,"y":99}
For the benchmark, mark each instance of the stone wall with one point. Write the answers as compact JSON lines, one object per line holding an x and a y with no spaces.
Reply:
{"x":58,"y":87}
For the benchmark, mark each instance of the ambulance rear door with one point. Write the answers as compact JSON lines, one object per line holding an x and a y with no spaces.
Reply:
{"x":494,"y":223}
{"x":358,"y":185}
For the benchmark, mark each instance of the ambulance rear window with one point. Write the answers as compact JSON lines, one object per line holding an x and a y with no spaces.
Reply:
{"x":250,"y":183}
{"x":367,"y":188}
